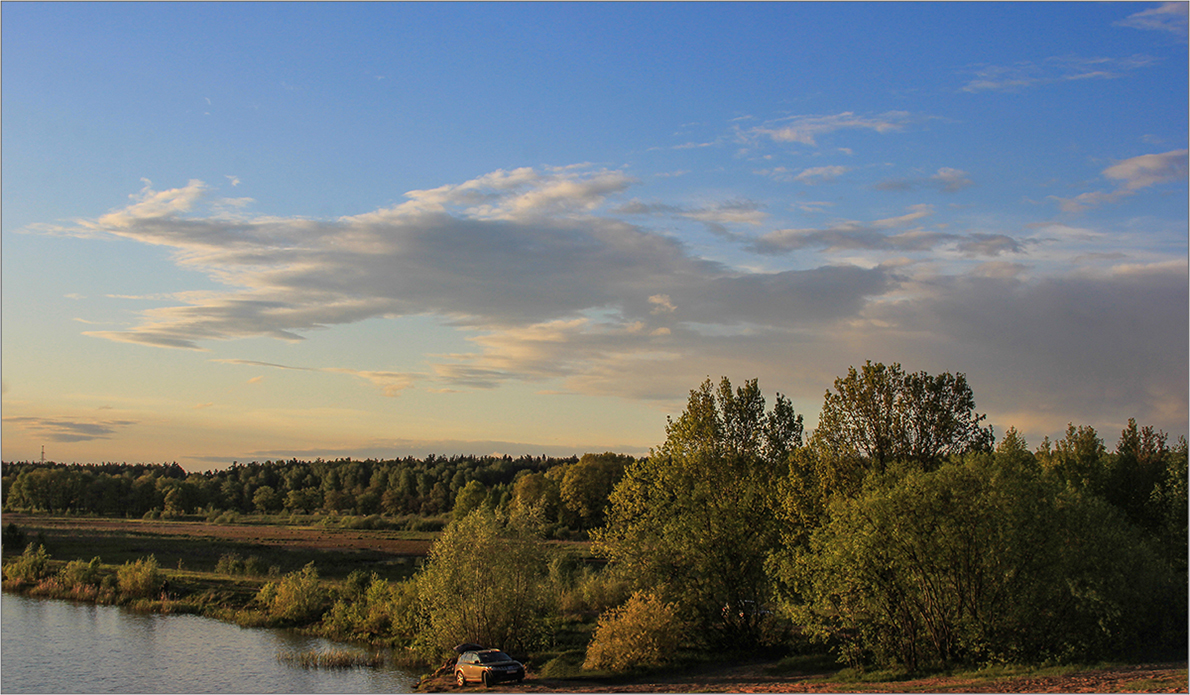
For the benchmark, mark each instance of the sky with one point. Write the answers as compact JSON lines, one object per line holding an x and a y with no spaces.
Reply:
{"x":250,"y":231}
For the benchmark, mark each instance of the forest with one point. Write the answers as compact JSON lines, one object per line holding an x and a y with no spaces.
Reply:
{"x":900,"y":533}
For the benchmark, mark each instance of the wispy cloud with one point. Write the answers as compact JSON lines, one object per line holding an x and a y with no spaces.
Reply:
{"x":1026,"y":74}
{"x":946,"y":179}
{"x":1131,"y":175}
{"x":390,"y":383}
{"x":68,"y":430}
{"x":807,"y":130}
{"x":1168,"y":17}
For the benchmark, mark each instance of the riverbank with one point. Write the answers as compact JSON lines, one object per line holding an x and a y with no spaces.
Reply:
{"x":189,"y":551}
{"x":766,"y":677}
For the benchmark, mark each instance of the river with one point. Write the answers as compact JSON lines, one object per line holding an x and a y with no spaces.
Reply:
{"x":49,"y":646}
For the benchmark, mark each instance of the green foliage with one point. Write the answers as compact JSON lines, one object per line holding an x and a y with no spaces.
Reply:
{"x":587,"y":485}
{"x":484,"y":580}
{"x":638,"y":635}
{"x":695,"y":521}
{"x":298,"y":597}
{"x":371,"y":609}
{"x":982,"y":560}
{"x":13,"y":537}
{"x":30,"y":566}
{"x":139,"y":579}
{"x":233,"y":564}
{"x":78,"y":573}
{"x":882,"y":414}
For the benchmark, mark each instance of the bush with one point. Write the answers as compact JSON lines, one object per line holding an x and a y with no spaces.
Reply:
{"x":30,"y":566}
{"x":298,"y":597}
{"x":140,"y":579}
{"x":640,"y":634}
{"x":78,"y":573}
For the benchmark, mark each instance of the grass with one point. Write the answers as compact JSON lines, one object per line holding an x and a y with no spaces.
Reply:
{"x":79,"y":539}
{"x":332,"y":659}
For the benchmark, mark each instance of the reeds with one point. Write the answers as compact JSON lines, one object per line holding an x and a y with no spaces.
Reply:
{"x":334,"y":658}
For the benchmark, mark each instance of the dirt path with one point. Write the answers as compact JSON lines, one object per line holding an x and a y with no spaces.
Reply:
{"x":1147,"y":678}
{"x":311,"y":537}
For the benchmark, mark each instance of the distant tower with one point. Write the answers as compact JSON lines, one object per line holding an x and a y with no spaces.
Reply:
{"x":43,"y":454}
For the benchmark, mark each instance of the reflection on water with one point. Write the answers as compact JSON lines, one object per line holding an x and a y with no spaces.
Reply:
{"x":51,"y":646}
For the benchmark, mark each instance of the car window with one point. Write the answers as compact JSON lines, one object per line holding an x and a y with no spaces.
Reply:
{"x":493,"y":657}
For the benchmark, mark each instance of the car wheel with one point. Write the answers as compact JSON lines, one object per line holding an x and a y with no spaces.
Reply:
{"x":486,"y":682}
{"x":460,"y":679}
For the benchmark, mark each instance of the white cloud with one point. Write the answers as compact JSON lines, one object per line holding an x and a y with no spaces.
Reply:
{"x":1018,"y":76}
{"x":553,"y":286}
{"x":815,"y":175}
{"x":946,"y":180}
{"x":1168,"y":16}
{"x":1132,"y":175}
{"x":806,"y":130}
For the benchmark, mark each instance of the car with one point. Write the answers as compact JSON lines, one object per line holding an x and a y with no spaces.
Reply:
{"x":488,"y":666}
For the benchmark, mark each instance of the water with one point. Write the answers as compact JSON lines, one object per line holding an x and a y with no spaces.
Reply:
{"x":49,"y":646}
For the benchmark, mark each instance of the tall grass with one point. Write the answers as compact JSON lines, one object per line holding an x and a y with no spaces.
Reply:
{"x":334,"y":658}
{"x":140,"y":579}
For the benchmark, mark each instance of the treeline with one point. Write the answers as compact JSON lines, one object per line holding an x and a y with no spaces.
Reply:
{"x":899,"y":532}
{"x":572,"y":491}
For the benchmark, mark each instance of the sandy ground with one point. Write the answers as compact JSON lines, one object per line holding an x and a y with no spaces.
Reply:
{"x":1148,"y":678}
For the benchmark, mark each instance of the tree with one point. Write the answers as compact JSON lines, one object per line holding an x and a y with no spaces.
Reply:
{"x":694,"y":522}
{"x":883,"y":414}
{"x":587,"y":485}
{"x":984,"y":559}
{"x":484,"y":582}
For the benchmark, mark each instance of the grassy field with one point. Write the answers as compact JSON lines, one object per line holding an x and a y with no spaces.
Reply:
{"x":196,"y":546}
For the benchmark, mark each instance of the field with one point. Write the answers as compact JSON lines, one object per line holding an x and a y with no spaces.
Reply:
{"x":198,"y":545}
{"x":191,"y":549}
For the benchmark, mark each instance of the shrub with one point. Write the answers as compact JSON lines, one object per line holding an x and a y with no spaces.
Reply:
{"x":30,"y":566}
{"x":78,"y":573}
{"x":298,"y":597}
{"x":639,"y":634}
{"x":140,"y":579}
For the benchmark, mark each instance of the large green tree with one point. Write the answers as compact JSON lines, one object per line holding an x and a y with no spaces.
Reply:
{"x":484,"y":582}
{"x":694,"y":522}
{"x":881,"y":414}
{"x":983,"y":559}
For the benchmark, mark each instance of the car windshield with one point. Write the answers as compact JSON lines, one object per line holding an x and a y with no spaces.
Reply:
{"x":492,"y":657}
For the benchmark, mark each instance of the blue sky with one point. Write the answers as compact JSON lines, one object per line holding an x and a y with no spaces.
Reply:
{"x":246,"y":231}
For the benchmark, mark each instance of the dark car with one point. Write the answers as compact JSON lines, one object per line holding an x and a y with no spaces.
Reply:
{"x":488,"y":666}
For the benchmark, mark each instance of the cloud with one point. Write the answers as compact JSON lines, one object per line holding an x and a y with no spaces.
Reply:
{"x":1131,"y":176}
{"x":68,"y":430}
{"x":849,"y":234}
{"x":815,"y":175}
{"x":1168,"y":16}
{"x":946,"y":180}
{"x":552,"y":285}
{"x":1026,"y":74}
{"x":390,"y":383}
{"x":806,"y":130}
{"x":1088,"y":347}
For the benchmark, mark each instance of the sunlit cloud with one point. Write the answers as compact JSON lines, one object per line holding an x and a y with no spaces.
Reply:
{"x":1131,"y":176}
{"x":390,"y":383}
{"x":1026,"y":74}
